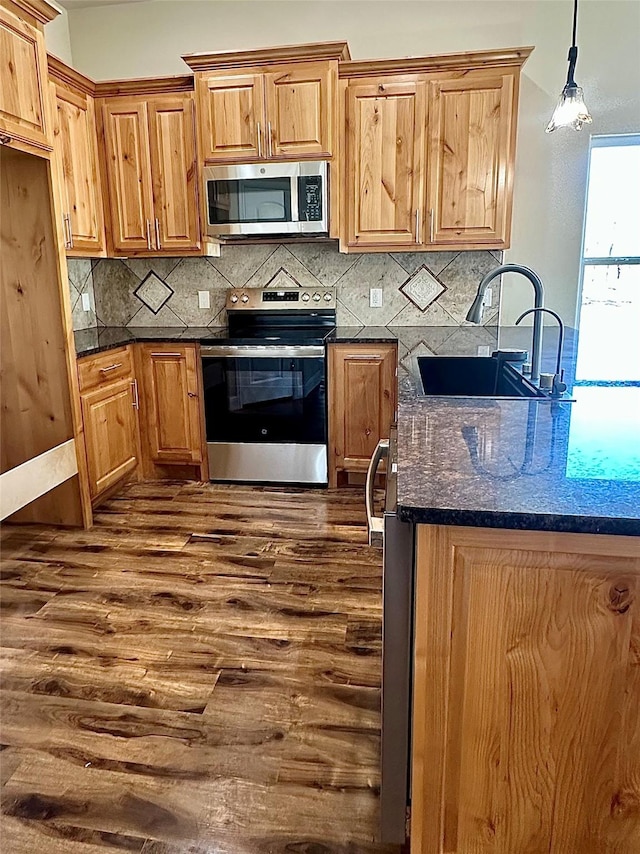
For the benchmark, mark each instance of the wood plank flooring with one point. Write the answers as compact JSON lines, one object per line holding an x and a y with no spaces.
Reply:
{"x":199,"y":673}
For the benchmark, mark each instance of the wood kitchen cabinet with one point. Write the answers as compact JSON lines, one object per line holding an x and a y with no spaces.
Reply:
{"x":110,"y":403}
{"x":150,"y":165}
{"x":362,"y":380}
{"x":76,"y":148}
{"x":429,"y":151}
{"x":275,"y":104}
{"x":526,"y":731}
{"x":171,"y":404}
{"x":24,"y":120}
{"x":384,"y":149}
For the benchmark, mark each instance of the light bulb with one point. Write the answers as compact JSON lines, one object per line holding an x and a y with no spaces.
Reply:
{"x":571,"y":110}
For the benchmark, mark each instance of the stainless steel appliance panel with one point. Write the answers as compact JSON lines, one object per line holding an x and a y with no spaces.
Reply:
{"x":267,"y":463}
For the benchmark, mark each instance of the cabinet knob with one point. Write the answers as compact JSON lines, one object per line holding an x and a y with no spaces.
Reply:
{"x":192,"y":394}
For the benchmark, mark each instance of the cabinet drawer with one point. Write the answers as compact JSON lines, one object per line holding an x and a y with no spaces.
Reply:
{"x":94,"y":371}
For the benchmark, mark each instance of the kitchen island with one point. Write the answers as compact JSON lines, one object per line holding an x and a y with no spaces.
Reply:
{"x":526,"y":649}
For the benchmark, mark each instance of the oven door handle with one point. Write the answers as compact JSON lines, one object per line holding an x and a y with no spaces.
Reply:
{"x":375,"y":524}
{"x":262,"y":351}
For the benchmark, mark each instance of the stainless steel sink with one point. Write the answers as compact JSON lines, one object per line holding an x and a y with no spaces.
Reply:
{"x":474,"y":376}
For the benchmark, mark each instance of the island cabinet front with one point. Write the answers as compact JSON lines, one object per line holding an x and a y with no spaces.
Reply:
{"x":526,"y":716}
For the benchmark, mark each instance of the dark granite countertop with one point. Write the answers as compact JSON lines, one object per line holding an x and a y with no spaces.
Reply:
{"x":524,"y":464}
{"x":96,"y":340}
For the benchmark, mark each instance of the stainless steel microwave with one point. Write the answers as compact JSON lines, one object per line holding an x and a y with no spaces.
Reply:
{"x":267,"y":198}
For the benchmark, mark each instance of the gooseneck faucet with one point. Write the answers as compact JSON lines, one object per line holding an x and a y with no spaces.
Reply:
{"x":474,"y":315}
{"x":558,"y":386}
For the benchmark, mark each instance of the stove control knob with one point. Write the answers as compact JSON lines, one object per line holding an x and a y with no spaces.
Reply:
{"x":305,"y":297}
{"x":233,"y":298}
{"x":328,"y":297}
{"x":244,"y":298}
{"x":317,"y":297}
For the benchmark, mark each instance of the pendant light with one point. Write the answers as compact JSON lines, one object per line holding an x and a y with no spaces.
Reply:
{"x":571,"y":110}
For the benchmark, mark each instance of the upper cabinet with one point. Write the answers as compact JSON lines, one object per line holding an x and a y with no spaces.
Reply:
{"x":150,"y":167}
{"x":23,"y":75}
{"x":385,"y":141}
{"x":429,"y":151}
{"x":472,"y":124}
{"x":274,"y":104}
{"x":75,"y":145}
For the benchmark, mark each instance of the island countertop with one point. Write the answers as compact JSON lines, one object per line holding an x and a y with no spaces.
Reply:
{"x":523,"y":464}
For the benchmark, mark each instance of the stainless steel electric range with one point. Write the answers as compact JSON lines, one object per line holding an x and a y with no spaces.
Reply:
{"x":265,"y":387}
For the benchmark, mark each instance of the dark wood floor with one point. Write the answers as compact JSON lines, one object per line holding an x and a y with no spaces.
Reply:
{"x":199,"y":673}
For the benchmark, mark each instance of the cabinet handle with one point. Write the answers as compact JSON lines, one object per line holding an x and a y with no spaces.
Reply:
{"x":192,"y":394}
{"x":431,"y":225}
{"x":375,"y":524}
{"x":418,"y":226}
{"x":149,"y":246}
{"x":269,"y":138}
{"x":259,"y":140}
{"x":158,"y":244}
{"x":66,"y":219}
{"x":5,"y":139}
{"x":176,"y":355}
{"x":364,"y":356}
{"x":136,"y":397}
{"x":110,"y":368}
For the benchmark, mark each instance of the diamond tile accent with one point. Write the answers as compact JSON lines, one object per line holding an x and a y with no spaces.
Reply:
{"x":423,"y":288}
{"x":282,"y":279}
{"x":153,"y":292}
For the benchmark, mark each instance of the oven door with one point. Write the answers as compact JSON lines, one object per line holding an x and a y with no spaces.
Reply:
{"x":266,"y":413}
{"x":281,"y":198}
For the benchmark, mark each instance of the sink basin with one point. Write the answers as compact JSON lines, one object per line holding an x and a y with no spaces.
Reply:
{"x":473,"y":376}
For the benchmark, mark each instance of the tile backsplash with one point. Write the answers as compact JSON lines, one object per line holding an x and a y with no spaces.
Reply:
{"x":418,"y":289}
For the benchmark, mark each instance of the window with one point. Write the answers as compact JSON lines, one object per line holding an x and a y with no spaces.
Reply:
{"x":609,"y":328}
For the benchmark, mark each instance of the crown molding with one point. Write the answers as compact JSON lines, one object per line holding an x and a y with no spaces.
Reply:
{"x":144,"y":86}
{"x":38,"y":10}
{"x":470,"y":60}
{"x":338,"y":51}
{"x":60,"y":72}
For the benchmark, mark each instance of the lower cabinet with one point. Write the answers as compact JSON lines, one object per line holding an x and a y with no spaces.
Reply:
{"x":111,"y":433}
{"x":526,"y":729}
{"x":171,"y":403}
{"x":362,"y":403}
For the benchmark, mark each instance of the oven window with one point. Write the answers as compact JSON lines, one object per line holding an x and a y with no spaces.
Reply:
{"x":249,"y":200}
{"x":265,"y":399}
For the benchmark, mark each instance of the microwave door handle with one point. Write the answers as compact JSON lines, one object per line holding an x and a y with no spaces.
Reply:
{"x":375,"y":524}
{"x":295,"y":210}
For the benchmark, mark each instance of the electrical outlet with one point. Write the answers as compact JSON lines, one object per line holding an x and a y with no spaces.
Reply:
{"x":484,"y":350}
{"x":86,"y":302}
{"x":375,"y":297}
{"x":488,"y":298}
{"x":204,"y":299}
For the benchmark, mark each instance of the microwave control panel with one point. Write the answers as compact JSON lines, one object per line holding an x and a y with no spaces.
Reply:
{"x":310,"y":198}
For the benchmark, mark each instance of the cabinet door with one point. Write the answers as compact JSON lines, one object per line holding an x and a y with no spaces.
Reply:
{"x":231,"y":116}
{"x":75,"y":142}
{"x":171,"y":403}
{"x":173,"y":169}
{"x":111,"y":433}
{"x":471,"y":151}
{"x":385,"y":142}
{"x":23,"y":72}
{"x":129,"y":174}
{"x":299,"y":104}
{"x":526,"y":729}
{"x":362,"y":402}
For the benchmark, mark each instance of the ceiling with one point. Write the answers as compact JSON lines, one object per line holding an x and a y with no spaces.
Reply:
{"x":71,"y":5}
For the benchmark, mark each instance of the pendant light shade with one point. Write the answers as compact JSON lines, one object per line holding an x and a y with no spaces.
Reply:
{"x":571,"y":110}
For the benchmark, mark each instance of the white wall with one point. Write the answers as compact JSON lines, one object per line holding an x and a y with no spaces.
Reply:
{"x":57,"y":37}
{"x":147,"y":38}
